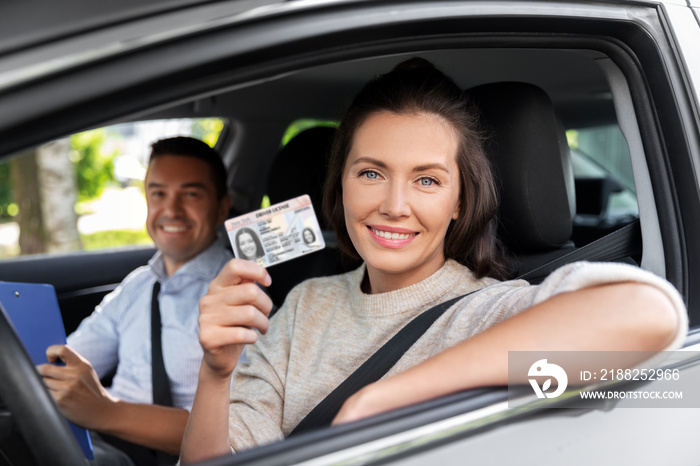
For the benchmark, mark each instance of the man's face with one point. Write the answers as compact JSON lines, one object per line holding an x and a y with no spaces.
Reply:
{"x":183,"y":208}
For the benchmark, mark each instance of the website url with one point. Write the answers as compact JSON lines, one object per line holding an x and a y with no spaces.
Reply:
{"x":632,"y":395}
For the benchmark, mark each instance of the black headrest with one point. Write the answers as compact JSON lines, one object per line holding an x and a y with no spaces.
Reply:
{"x":528,"y":147}
{"x":300,"y":168}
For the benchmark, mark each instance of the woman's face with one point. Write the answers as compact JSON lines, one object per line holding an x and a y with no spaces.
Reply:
{"x":247,"y":245}
{"x":308,"y":237}
{"x":400,"y":192}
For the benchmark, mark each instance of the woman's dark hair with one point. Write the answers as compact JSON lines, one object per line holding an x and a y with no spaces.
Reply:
{"x":259,"y":251}
{"x":413,"y":87}
{"x":191,"y":147}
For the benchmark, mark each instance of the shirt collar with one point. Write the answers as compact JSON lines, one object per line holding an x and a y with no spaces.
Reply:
{"x":204,"y":265}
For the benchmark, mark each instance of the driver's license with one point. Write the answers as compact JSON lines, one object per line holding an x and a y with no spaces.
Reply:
{"x":277,"y":233}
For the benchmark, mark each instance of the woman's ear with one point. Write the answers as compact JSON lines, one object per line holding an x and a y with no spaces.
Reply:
{"x":455,"y":213}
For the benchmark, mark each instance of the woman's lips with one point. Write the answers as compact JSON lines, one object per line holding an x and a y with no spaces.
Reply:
{"x":392,"y":237}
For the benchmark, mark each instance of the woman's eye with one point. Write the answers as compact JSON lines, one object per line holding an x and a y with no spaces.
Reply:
{"x":370,"y":175}
{"x":428,"y":181}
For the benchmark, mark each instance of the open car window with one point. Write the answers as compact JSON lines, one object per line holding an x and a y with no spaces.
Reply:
{"x":606,"y":197}
{"x":100,"y":172}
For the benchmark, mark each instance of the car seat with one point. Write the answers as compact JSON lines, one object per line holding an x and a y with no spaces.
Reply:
{"x":300,"y":168}
{"x":527,"y":144}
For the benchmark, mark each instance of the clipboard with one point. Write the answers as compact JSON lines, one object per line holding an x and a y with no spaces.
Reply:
{"x":34,"y":312}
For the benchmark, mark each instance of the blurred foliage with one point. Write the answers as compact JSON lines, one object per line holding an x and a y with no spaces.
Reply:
{"x":5,"y":189}
{"x":207,"y":129}
{"x":300,"y":125}
{"x":112,"y":238}
{"x":94,"y":169}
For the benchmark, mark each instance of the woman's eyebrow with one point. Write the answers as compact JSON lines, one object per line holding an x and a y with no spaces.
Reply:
{"x":431,"y":166}
{"x":369,"y":160}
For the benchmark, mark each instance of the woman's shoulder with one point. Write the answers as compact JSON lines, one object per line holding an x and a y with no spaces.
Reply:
{"x":462,"y":279}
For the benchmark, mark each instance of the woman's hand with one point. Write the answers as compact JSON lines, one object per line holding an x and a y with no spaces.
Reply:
{"x":230,"y":313}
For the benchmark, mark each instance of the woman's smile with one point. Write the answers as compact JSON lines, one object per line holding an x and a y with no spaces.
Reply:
{"x":392,"y":237}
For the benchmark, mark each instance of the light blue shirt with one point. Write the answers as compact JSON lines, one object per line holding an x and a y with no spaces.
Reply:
{"x":118,"y":333}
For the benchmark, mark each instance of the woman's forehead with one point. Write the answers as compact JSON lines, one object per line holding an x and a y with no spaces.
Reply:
{"x":404,"y":140}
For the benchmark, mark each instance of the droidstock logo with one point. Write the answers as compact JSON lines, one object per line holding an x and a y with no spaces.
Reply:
{"x":542,"y":368}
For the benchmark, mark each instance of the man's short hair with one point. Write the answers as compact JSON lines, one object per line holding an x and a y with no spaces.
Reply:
{"x":191,"y":147}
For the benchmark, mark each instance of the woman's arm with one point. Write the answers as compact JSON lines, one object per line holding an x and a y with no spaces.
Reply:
{"x":230,"y":313}
{"x":616,"y":317}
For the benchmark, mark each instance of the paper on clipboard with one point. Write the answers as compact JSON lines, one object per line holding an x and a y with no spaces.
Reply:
{"x":34,"y":312}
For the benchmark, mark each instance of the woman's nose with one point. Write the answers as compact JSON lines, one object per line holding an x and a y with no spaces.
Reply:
{"x":396,"y":202}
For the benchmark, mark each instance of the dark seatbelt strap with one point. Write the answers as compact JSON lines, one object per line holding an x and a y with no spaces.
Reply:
{"x":623,"y":242}
{"x":373,"y":368}
{"x":162,"y":395}
{"x":159,"y":377}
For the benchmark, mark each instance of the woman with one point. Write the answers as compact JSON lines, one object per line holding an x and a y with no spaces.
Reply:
{"x":309,"y":236}
{"x":410,"y":192}
{"x":248,"y":246}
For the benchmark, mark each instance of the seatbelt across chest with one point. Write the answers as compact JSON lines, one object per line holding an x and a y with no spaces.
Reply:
{"x":373,"y":368}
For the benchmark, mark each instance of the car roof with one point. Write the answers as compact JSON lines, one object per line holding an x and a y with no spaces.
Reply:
{"x":26,"y":24}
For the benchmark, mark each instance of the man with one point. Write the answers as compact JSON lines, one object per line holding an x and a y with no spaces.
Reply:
{"x":187,"y":200}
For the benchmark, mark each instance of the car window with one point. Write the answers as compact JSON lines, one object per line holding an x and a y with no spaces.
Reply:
{"x":605,"y":191}
{"x":101,"y":172}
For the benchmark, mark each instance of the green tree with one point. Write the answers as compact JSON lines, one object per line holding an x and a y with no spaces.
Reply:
{"x":5,"y":189}
{"x":207,"y":129}
{"x":94,"y":167}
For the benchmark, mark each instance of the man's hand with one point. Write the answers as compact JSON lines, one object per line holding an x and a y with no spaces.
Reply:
{"x":76,"y":388}
{"x":229,"y":314}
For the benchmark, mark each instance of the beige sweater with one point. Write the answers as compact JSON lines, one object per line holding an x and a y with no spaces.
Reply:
{"x":328,"y":327}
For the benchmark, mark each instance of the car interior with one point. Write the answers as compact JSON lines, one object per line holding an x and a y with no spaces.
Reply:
{"x":559,"y":124}
{"x":527,"y":99}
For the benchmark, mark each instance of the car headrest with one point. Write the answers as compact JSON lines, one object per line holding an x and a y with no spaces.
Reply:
{"x":531,"y":158}
{"x":300,"y":168}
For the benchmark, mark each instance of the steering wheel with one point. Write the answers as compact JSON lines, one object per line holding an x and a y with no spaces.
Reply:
{"x":32,"y":410}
